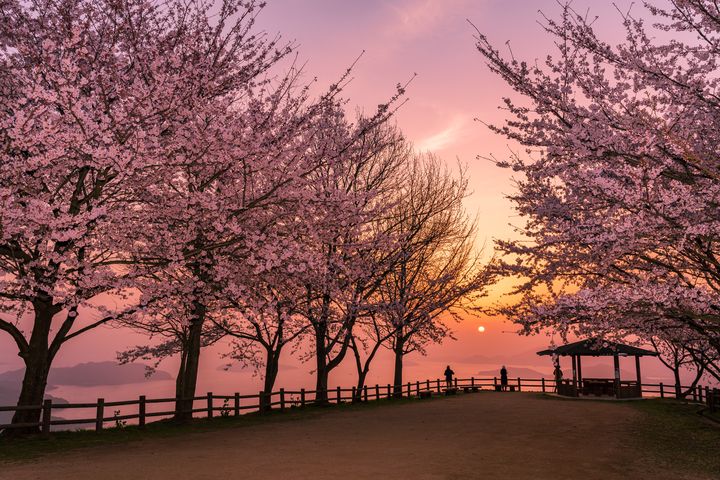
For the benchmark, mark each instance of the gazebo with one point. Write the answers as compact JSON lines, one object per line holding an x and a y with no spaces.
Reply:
{"x":593,"y":347}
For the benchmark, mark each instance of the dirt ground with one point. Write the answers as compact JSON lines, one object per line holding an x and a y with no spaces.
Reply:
{"x":486,"y":435}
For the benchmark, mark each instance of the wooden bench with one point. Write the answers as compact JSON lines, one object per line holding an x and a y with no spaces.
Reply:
{"x":470,"y":389}
{"x":451,"y":391}
{"x":425,"y":394}
{"x":510,"y":388}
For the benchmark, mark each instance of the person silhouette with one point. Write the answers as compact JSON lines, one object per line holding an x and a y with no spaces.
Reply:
{"x":449,"y":377}
{"x":503,"y":378}
{"x":558,"y":374}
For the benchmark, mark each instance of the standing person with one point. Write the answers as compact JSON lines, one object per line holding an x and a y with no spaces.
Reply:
{"x":449,"y":377}
{"x":557,"y":373}
{"x":503,"y":378}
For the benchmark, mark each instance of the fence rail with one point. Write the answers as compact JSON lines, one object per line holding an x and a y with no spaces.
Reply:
{"x":283,"y":399}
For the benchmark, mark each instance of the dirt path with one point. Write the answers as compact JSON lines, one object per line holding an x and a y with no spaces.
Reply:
{"x":487,"y":435}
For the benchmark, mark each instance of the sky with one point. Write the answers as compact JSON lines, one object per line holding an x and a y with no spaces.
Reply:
{"x":453,"y":92}
{"x":451,"y":95}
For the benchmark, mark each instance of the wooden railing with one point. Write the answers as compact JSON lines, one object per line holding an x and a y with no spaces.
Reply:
{"x":236,"y":404}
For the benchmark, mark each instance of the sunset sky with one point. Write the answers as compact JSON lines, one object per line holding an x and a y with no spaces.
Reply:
{"x":453,"y":87}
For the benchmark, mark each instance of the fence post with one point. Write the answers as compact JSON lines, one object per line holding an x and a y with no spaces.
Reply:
{"x":388,"y":391}
{"x":417,"y":388}
{"x":427,"y":385}
{"x":713,"y":399}
{"x":377,"y":392}
{"x":543,"y":384}
{"x":472,"y":382}
{"x":700,"y":394}
{"x":209,"y":405}
{"x":694,"y":394}
{"x":261,"y":401}
{"x":100,"y":414}
{"x":707,"y":395}
{"x":456,"y":383}
{"x":355,"y":394}
{"x":302,"y":397}
{"x":46,"y":416}
{"x":282,"y":399}
{"x":495,"y":382}
{"x":662,"y":390}
{"x":339,"y":396}
{"x":141,"y":411}
{"x":366,"y":393}
{"x":408,"y":389}
{"x":710,"y":399}
{"x":237,"y":404}
{"x":519,"y":387}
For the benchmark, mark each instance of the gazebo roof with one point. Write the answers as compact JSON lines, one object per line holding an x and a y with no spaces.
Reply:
{"x":592,"y":347}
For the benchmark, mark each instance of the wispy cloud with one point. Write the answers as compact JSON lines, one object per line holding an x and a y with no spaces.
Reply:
{"x":449,"y":135}
{"x":413,"y":18}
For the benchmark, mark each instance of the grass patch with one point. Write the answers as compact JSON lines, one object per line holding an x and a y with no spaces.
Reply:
{"x":678,"y":437}
{"x":670,"y":434}
{"x":32,"y":447}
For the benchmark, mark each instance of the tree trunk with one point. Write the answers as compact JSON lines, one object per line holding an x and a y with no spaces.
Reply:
{"x":398,"y":375}
{"x":272,"y":364}
{"x":37,"y":367}
{"x":678,"y":384}
{"x":321,"y":374}
{"x":361,"y":372}
{"x":362,"y":375}
{"x":180,"y":378}
{"x":188,"y":372}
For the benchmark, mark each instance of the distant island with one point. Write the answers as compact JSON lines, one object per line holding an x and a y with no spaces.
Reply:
{"x":87,"y":374}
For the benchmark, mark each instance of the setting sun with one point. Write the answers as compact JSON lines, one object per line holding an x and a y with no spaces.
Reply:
{"x":481,"y":329}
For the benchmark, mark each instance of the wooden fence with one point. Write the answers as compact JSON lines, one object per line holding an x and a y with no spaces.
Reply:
{"x":236,"y":404}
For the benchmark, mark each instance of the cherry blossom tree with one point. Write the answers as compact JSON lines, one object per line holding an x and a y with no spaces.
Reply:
{"x":224,"y":195}
{"x":95,"y":97}
{"x":265,"y":312}
{"x":347,"y":246}
{"x":262,"y":326}
{"x":261,"y":315}
{"x":619,"y":183}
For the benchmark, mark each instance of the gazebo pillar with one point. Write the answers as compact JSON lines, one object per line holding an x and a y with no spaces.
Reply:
{"x":574,"y":373}
{"x":616,"y":361}
{"x":579,"y":372}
